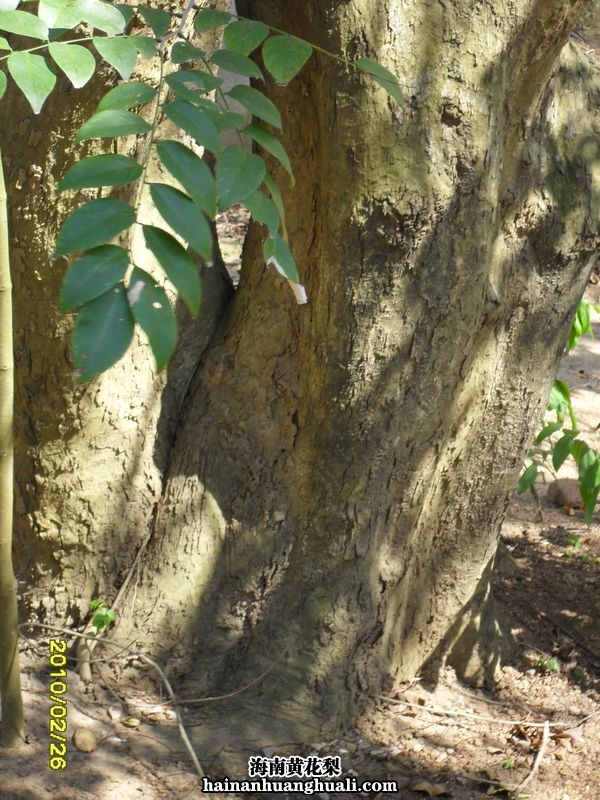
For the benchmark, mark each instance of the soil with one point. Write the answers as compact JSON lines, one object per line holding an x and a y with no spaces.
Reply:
{"x":538,"y":729}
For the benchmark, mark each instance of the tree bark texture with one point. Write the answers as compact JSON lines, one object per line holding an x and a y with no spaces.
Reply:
{"x":335,"y":492}
{"x":340,"y":470}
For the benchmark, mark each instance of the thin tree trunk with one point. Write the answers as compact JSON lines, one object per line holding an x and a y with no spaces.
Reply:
{"x":12,"y":725}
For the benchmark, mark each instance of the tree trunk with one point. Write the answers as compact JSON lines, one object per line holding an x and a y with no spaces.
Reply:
{"x":336,"y":489}
{"x":11,"y":720}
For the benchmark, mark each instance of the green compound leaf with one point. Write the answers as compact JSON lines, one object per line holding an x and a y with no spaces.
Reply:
{"x":227,"y":120}
{"x":386,"y":79}
{"x":284,"y":56}
{"x":92,"y":275}
{"x":562,"y":450}
{"x":584,"y":317}
{"x":256,"y":103}
{"x":111,"y":123}
{"x":192,"y":85}
{"x":184,"y":217}
{"x":120,"y":51}
{"x":560,"y":392}
{"x":209,"y":18}
{"x":589,"y":482}
{"x":103,"y":618}
{"x":127,"y":11}
{"x":272,"y":145}
{"x":578,"y":451}
{"x":102,"y":333}
{"x":581,"y":324}
{"x":104,"y":16}
{"x":23,"y":24}
{"x":278,"y":254}
{"x":158,"y":21}
{"x":560,"y":402}
{"x":107,"y":169}
{"x":236,"y":63}
{"x":32,"y":76}
{"x":184,"y":51}
{"x":152,"y":311}
{"x":238,"y":175}
{"x":263,"y":210}
{"x":192,"y":173}
{"x":196,"y":122}
{"x":146,"y":46}
{"x":3,"y":83}
{"x":548,"y":430}
{"x":93,"y":224}
{"x":4,"y":45}
{"x":60,"y":13}
{"x":127,"y":95}
{"x":245,"y":35}
{"x":69,"y":13}
{"x":527,"y":479}
{"x":75,"y":61}
{"x":177,"y":264}
{"x":276,"y":198}
{"x":224,"y":120}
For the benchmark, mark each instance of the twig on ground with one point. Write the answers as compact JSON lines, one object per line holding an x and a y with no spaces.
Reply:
{"x":470,"y":715}
{"x":199,"y":700}
{"x":536,"y":764}
{"x":171,"y":693}
{"x":146,"y":660}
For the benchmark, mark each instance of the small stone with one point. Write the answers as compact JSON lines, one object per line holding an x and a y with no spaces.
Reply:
{"x":115,"y":711}
{"x":84,"y":740}
{"x":564,"y":493}
{"x":378,"y":752}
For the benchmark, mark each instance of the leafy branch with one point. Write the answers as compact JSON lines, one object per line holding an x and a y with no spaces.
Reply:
{"x":550,"y":451}
{"x":110,"y":292}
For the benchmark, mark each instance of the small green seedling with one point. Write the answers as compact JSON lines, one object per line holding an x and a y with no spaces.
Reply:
{"x":572,"y":540}
{"x":578,"y":673}
{"x":550,"y":664}
{"x":508,"y":764}
{"x":104,"y":615}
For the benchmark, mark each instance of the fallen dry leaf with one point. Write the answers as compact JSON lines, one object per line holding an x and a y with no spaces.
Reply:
{"x":131,"y":722}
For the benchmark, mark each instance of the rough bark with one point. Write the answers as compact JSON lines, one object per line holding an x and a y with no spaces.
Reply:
{"x":336,"y":490}
{"x":340,"y":470}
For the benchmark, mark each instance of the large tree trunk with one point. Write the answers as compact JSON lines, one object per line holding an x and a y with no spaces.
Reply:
{"x":336,"y":490}
{"x":334,"y":494}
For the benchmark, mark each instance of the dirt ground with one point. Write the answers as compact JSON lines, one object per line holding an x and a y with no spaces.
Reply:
{"x":539,"y":729}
